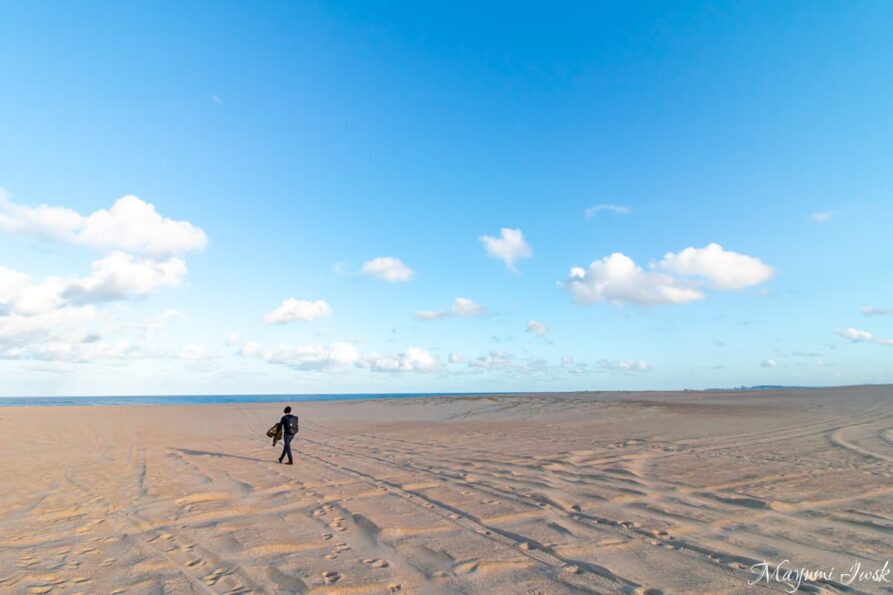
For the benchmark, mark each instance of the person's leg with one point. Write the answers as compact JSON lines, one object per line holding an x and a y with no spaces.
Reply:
{"x":287,"y":449}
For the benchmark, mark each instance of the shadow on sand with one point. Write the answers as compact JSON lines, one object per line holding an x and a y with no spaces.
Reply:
{"x":206,"y":453}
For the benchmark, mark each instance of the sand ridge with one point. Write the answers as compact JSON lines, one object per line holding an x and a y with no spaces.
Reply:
{"x":537,"y":493}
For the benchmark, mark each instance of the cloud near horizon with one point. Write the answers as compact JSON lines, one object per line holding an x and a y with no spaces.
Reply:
{"x":306,"y":357}
{"x":317,"y":357}
{"x":625,"y":365}
{"x":676,"y":279}
{"x":869,"y":311}
{"x":292,"y":309}
{"x":461,"y":308}
{"x":59,"y":318}
{"x":414,"y":359}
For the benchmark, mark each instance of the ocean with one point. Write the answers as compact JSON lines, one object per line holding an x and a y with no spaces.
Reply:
{"x":208,"y":399}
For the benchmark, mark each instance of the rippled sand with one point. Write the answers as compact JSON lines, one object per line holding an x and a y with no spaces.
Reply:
{"x":540,"y":493}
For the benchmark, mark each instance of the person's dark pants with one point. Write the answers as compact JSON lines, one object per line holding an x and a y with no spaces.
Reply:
{"x":286,"y":447}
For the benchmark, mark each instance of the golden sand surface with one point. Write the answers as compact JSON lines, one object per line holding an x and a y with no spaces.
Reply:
{"x":536,"y":493}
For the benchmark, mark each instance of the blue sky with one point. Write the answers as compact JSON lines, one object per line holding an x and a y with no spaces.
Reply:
{"x":271,"y":151}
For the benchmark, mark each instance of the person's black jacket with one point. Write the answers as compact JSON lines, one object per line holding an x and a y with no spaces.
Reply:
{"x":283,"y":423}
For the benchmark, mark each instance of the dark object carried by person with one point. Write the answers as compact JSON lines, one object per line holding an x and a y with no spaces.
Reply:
{"x":275,"y":433}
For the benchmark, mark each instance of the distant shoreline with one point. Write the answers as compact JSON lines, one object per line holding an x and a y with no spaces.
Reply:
{"x":135,"y":400}
{"x":106,"y":401}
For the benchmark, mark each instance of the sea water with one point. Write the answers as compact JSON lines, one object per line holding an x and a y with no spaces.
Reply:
{"x":208,"y":399}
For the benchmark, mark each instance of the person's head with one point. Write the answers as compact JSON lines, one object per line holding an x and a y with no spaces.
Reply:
{"x":287,"y":409}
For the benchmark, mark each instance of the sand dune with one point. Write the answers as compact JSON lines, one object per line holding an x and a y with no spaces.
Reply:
{"x":540,"y":493}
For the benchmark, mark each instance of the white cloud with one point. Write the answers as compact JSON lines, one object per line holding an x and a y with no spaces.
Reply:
{"x":821,"y":216}
{"x":292,"y":309}
{"x":56,"y":318}
{"x":508,"y":247}
{"x":340,"y":354}
{"x":131,"y":225}
{"x":572,"y":367}
{"x":868,"y":311}
{"x":121,"y":276}
{"x":855,"y":335}
{"x":492,"y":360}
{"x":461,"y":308}
{"x":70,"y":323}
{"x":617,"y":279}
{"x":306,"y":357}
{"x":769,"y":363}
{"x":387,"y":268}
{"x":118,"y":276}
{"x":508,"y":364}
{"x":537,"y":328}
{"x":64,"y":334}
{"x":724,"y":269}
{"x":233,"y":338}
{"x":12,"y":284}
{"x":676,"y":279}
{"x":615,"y":209}
{"x":625,"y":365}
{"x":64,"y":351}
{"x":414,"y":359}
{"x":456,"y":358}
{"x":859,"y":336}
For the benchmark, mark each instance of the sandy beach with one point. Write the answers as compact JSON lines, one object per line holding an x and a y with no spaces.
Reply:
{"x":540,"y":493}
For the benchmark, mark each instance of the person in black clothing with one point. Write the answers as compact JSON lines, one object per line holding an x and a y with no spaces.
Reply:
{"x":289,"y":425}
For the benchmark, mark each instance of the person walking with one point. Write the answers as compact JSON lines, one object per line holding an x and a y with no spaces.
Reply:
{"x":289,"y":426}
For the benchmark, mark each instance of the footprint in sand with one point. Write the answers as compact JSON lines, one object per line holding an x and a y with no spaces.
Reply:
{"x":376,"y":563}
{"x":467,"y":567}
{"x":215,"y":576}
{"x":331,"y":577}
